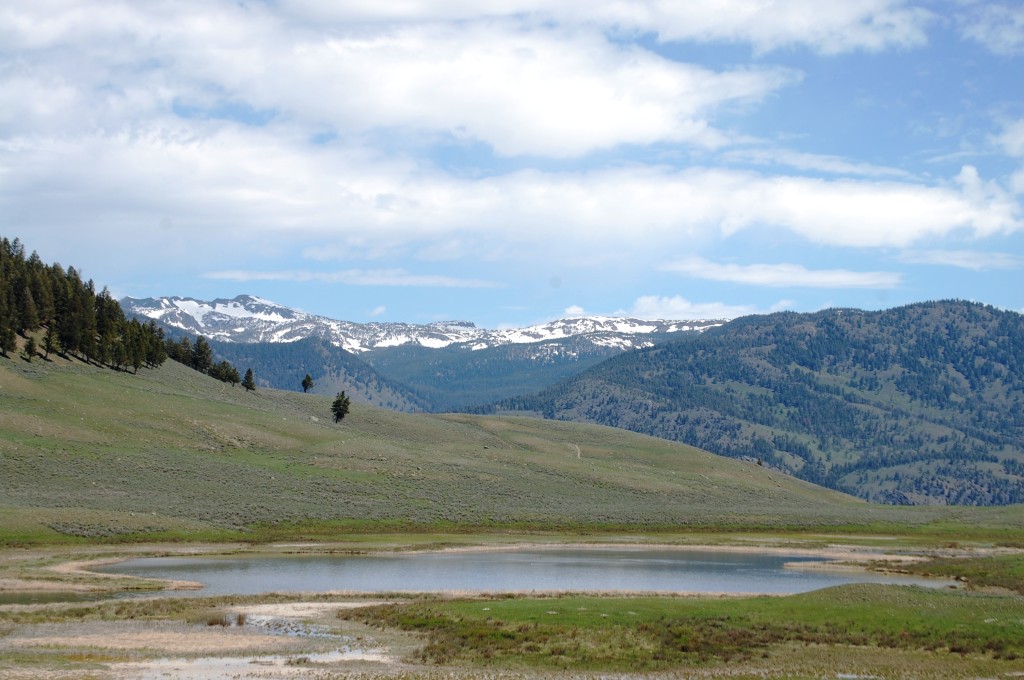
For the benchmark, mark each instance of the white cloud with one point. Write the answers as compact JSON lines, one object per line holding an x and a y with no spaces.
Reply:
{"x":520,"y":88}
{"x":355,"y":277}
{"x":187,"y":128}
{"x":832,"y":165}
{"x":829,"y":27}
{"x":782,"y":305}
{"x":998,"y":27}
{"x":379,"y":310}
{"x":783,"y":275}
{"x":252,"y":185}
{"x":679,"y":308}
{"x":1017,"y":182}
{"x":575,"y":310}
{"x":869,"y":214}
{"x":964,"y":259}
{"x":542,"y":92}
{"x":1012,"y":138}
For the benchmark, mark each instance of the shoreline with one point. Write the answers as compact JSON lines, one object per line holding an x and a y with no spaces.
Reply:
{"x":835,"y":557}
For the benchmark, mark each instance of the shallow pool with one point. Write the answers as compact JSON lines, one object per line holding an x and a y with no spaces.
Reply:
{"x":582,"y":569}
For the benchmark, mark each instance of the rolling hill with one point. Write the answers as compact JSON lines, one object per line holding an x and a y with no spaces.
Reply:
{"x":914,"y":405}
{"x":89,"y":452}
{"x":333,"y":369}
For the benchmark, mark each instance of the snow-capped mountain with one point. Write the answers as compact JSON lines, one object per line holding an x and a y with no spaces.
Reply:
{"x":248,"y":319}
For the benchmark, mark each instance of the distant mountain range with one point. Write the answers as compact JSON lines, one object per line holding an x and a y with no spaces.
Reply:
{"x":247,"y":318}
{"x":440,"y":366}
{"x":918,"y":404}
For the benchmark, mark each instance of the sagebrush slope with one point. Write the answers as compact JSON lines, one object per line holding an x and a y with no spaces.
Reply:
{"x":92,"y":452}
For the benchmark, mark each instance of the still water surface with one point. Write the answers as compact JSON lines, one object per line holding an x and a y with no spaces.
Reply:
{"x":519,"y":570}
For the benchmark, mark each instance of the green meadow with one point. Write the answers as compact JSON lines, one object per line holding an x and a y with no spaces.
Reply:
{"x":101,"y":464}
{"x":658,"y":633}
{"x":170,"y":454}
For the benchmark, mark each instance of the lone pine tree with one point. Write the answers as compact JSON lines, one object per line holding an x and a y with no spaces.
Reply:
{"x":340,"y":406}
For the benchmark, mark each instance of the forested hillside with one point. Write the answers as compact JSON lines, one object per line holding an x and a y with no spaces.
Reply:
{"x":458,"y":377}
{"x":47,"y":310}
{"x":919,"y":404}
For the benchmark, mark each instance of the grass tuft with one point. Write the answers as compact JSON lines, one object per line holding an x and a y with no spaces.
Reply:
{"x":222,"y":620}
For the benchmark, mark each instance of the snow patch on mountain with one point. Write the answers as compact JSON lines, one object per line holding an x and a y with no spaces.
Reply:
{"x":248,"y":318}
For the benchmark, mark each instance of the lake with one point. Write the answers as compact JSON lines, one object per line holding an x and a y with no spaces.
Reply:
{"x":583,"y":569}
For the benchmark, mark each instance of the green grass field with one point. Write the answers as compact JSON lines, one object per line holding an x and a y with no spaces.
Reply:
{"x":657,"y":633}
{"x":169,"y":454}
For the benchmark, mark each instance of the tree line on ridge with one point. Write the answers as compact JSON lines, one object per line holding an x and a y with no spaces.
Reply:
{"x":56,"y":312}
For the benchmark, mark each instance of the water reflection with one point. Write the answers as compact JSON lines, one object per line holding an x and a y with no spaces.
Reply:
{"x":519,"y":570}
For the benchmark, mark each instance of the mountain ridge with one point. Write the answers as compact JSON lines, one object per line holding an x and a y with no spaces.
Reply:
{"x":248,"y":319}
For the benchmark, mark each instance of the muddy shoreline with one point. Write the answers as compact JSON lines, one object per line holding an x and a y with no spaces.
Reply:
{"x":76,"y":575}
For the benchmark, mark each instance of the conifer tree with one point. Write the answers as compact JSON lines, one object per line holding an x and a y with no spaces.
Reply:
{"x":8,"y":338}
{"x":28,"y":312}
{"x":156,"y":351}
{"x":69,"y":312}
{"x":30,"y":348}
{"x":340,"y":406}
{"x":225,"y":372}
{"x":42,"y":293}
{"x":202,"y":355}
{"x":50,"y":340}
{"x":105,"y":348}
{"x":87,"y":311}
{"x":184,"y":351}
{"x":248,"y":382}
{"x":109,"y":317}
{"x":118,"y":354}
{"x":307,"y":383}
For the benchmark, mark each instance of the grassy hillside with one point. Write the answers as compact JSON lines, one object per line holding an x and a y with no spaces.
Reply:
{"x":915,"y":405}
{"x":88,"y":452}
{"x":283,"y":365}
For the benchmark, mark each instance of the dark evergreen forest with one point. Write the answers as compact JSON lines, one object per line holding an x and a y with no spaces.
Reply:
{"x":54,"y":311}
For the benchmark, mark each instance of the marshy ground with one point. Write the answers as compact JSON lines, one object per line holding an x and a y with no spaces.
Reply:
{"x":862,"y":631}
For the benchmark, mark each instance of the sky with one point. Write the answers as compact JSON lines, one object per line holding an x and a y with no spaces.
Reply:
{"x":516,"y":161}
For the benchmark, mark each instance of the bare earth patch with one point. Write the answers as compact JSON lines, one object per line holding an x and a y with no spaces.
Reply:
{"x":282,"y":640}
{"x":273,"y":666}
{"x":305,"y":610}
{"x":84,"y":567}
